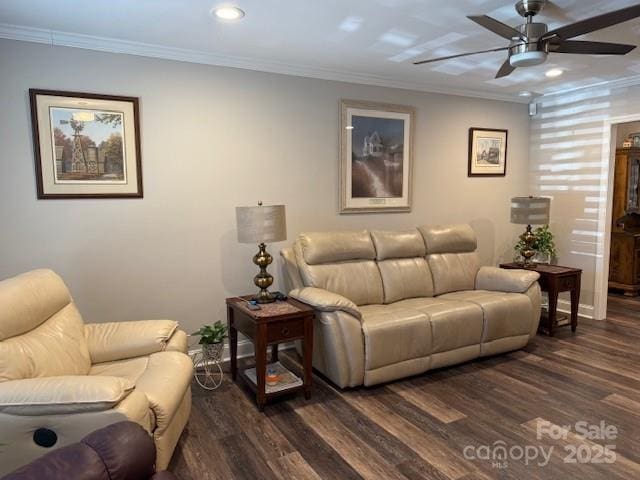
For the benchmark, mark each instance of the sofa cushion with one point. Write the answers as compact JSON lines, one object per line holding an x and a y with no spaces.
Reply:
{"x":453,"y":271}
{"x":356,"y":279}
{"x":56,"y":347}
{"x":60,"y":395}
{"x":404,"y":271}
{"x":401,"y":244}
{"x":405,"y":278}
{"x":41,"y":331}
{"x":452,"y":258}
{"x":130,"y":368}
{"x":448,"y":238}
{"x":29,"y":300}
{"x":454,"y":323}
{"x":330,"y":247}
{"x":393,"y":334}
{"x":505,"y":314}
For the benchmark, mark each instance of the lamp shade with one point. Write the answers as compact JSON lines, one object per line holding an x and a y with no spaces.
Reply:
{"x":261,"y":224}
{"x":530,"y":210}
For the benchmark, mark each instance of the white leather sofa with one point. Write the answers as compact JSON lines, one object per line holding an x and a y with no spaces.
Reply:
{"x":393,"y":304}
{"x":58,"y":374}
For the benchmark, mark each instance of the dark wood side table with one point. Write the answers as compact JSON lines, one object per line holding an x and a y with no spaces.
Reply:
{"x":553,"y":280}
{"x":277,"y":322}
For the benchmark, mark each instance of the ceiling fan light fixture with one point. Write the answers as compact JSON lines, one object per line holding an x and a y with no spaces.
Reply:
{"x":554,"y":72}
{"x":527,"y":59}
{"x":227,"y":13}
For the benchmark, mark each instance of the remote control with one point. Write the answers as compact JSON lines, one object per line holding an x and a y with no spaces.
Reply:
{"x":253,"y":305}
{"x":279,"y":296}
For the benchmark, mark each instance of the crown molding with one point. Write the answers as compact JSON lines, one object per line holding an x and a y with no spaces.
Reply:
{"x":629,"y":81}
{"x":112,"y":45}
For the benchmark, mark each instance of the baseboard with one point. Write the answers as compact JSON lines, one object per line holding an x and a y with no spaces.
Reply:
{"x":245,"y":349}
{"x":584,"y":310}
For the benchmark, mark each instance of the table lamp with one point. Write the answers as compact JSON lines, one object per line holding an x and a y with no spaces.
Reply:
{"x":260,"y":225}
{"x":529,"y":211}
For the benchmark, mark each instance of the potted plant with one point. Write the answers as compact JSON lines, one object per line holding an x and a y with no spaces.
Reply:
{"x":212,"y":339}
{"x":543,"y":244}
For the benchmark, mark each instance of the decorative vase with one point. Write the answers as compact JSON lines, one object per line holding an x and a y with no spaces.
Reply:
{"x":542,"y":257}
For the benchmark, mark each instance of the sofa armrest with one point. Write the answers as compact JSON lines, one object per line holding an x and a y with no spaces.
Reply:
{"x":178,"y":342}
{"x":62,"y":395}
{"x":325,"y":301}
{"x":503,"y":280}
{"x":120,"y":340}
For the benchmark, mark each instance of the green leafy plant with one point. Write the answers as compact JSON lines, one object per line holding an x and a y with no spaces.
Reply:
{"x":543,"y":242}
{"x":210,"y":334}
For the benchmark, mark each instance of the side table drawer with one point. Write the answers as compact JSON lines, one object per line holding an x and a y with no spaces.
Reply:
{"x":285,"y":330}
{"x":566,"y":283}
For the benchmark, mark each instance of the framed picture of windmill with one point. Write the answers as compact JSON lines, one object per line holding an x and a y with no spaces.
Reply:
{"x":86,"y":145}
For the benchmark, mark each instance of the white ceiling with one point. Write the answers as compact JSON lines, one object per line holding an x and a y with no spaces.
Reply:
{"x":367,"y":41}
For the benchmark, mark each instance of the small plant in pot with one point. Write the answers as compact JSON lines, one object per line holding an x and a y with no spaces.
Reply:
{"x":212,"y":339}
{"x":543,"y":244}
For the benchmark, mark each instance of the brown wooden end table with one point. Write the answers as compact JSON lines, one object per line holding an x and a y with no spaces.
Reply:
{"x":277,"y":322}
{"x":553,"y":280}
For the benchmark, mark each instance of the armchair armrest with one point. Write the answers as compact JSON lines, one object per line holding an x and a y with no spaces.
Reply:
{"x":325,"y":301}
{"x":503,"y":280}
{"x":61,"y":395}
{"x":120,"y":340}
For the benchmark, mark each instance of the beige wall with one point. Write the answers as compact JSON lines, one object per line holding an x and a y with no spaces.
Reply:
{"x":569,"y":162}
{"x":214,"y":138}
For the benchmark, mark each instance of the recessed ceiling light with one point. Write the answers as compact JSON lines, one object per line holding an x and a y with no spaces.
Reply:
{"x":227,"y":13}
{"x":554,"y":72}
{"x":525,"y":93}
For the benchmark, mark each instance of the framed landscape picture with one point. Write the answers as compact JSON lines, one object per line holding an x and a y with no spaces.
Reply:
{"x":376,"y":157}
{"x":86,"y":145}
{"x":487,"y":152}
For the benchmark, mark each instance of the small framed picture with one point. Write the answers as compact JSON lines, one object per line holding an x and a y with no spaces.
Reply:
{"x":487,"y":152}
{"x":86,"y":145}
{"x":376,"y":157}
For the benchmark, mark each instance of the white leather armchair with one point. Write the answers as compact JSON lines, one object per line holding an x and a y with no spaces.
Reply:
{"x":61,"y":379}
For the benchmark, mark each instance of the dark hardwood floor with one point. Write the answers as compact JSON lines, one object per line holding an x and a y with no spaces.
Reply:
{"x":442,"y":424}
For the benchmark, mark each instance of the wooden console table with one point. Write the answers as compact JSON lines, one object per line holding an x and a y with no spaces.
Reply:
{"x":278,"y":322}
{"x":553,"y":280}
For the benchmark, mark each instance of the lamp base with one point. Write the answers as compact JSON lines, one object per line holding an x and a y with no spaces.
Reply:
{"x":263,"y":279}
{"x":528,"y":252}
{"x":264,"y":296}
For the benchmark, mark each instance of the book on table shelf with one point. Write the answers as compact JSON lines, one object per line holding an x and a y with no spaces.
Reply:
{"x":287,"y":379}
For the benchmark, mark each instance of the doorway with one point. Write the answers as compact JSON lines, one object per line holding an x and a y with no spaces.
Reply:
{"x":622,"y":208}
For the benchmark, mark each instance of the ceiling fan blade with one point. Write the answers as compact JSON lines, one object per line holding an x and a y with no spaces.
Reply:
{"x":505,"y":70}
{"x":594,"y":23}
{"x":499,"y":28}
{"x":430,"y":60}
{"x":590,"y":48}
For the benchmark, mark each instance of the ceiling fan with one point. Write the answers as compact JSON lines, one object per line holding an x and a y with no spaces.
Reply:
{"x":531,"y":42}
